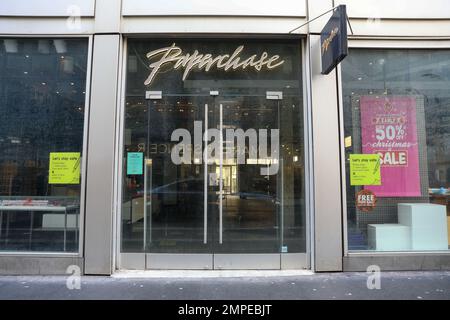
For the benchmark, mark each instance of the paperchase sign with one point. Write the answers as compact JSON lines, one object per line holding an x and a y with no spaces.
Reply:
{"x":174,"y":57}
{"x":333,"y":40}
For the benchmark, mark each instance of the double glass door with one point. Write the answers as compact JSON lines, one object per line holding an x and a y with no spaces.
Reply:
{"x":221,"y":187}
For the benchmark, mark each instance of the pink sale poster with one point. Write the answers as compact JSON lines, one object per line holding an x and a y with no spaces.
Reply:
{"x":388,"y":128}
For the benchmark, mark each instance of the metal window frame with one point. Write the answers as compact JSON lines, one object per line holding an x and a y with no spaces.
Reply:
{"x":396,"y":43}
{"x":80,"y":253}
{"x":308,"y":153}
{"x":118,"y":180}
{"x":118,"y":162}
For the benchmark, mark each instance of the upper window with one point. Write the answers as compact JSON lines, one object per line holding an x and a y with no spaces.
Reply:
{"x":42,"y":102}
{"x":397,"y":149}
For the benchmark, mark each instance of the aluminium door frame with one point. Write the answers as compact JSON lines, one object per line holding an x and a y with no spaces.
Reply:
{"x":138,"y":261}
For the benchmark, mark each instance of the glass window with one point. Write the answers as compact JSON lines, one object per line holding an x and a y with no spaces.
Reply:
{"x":42,"y":101}
{"x":179,"y":207}
{"x":397,"y":149}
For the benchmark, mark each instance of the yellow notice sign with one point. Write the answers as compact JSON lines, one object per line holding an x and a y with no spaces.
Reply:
{"x":64,"y":168}
{"x":365,"y":170}
{"x":348,"y":141}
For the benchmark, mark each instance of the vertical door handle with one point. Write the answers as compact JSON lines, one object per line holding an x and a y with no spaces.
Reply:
{"x":205,"y":179}
{"x":220,"y":172}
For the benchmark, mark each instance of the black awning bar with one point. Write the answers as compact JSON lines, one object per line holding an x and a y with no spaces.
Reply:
{"x":311,"y":20}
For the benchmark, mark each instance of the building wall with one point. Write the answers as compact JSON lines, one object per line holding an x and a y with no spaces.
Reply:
{"x":105,"y":21}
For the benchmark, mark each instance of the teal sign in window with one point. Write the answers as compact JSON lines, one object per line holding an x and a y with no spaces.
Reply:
{"x":134,"y":162}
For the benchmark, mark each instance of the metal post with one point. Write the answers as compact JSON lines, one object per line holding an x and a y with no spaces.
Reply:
{"x":65,"y":227}
{"x":220,"y":171}
{"x":149,"y":95}
{"x":31,"y":232}
{"x":145,"y":205}
{"x":7,"y":227}
{"x":205,"y":195}
{"x":282,"y":203}
{"x":150,"y":222}
{"x":1,"y":223}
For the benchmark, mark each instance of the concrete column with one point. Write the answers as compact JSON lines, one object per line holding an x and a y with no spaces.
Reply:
{"x":328,"y":250}
{"x":107,"y":16}
{"x":99,"y":220}
{"x":326,"y":161}
{"x":100,"y":161}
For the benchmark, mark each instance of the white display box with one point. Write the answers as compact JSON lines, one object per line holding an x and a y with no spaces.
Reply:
{"x":428,"y":223}
{"x":388,"y":237}
{"x":52,"y":220}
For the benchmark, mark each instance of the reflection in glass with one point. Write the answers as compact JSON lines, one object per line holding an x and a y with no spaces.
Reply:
{"x":42,"y":96}
{"x":176,"y":208}
{"x":412,"y":210}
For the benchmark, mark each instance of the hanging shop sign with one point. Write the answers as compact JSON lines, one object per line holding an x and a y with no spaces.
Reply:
{"x":333,"y":40}
{"x":389,"y":129}
{"x":174,"y":56}
{"x":366,"y":200}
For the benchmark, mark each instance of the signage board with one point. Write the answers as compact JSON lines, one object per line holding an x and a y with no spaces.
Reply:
{"x":135,"y":163}
{"x":64,"y":168}
{"x":389,"y":129}
{"x":333,"y":40}
{"x":365,"y":170}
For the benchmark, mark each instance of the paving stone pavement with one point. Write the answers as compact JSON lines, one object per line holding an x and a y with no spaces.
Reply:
{"x":394,"y":286}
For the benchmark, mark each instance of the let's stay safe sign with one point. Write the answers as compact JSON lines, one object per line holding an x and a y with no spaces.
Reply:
{"x":64,"y":168}
{"x":365,"y":170}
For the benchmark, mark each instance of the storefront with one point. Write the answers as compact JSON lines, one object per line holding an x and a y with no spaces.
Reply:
{"x":396,"y":106}
{"x":140,"y":137}
{"x":235,"y":200}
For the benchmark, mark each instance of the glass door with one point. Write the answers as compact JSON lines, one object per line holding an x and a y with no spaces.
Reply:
{"x":250,"y":195}
{"x":164,"y":212}
{"x":221,"y":185}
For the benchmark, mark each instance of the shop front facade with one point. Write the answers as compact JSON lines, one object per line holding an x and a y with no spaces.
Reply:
{"x":137,"y":136}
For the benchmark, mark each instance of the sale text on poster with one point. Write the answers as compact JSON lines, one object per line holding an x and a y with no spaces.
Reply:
{"x":389,"y":129}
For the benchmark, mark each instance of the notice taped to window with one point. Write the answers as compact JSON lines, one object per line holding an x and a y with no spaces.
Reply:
{"x":365,"y":170}
{"x":134,"y":163}
{"x":64,"y":168}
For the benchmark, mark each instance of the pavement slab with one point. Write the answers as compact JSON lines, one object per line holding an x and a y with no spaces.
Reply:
{"x":307,"y":286}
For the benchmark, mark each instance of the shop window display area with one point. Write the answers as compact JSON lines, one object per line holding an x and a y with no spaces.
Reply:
{"x":42,"y":105}
{"x":175,"y":208}
{"x":397,"y":149}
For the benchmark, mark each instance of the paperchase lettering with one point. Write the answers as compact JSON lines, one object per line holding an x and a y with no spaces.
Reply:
{"x":174,"y":55}
{"x":328,"y":40}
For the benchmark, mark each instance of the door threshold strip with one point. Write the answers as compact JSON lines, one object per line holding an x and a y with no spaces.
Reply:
{"x":208,"y":273}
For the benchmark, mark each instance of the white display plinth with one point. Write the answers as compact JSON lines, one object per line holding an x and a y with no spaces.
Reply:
{"x":388,"y":237}
{"x":428,"y":223}
{"x":51,"y":220}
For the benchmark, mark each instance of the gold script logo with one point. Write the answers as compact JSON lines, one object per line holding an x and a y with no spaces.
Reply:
{"x":174,"y":55}
{"x":327,"y":41}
